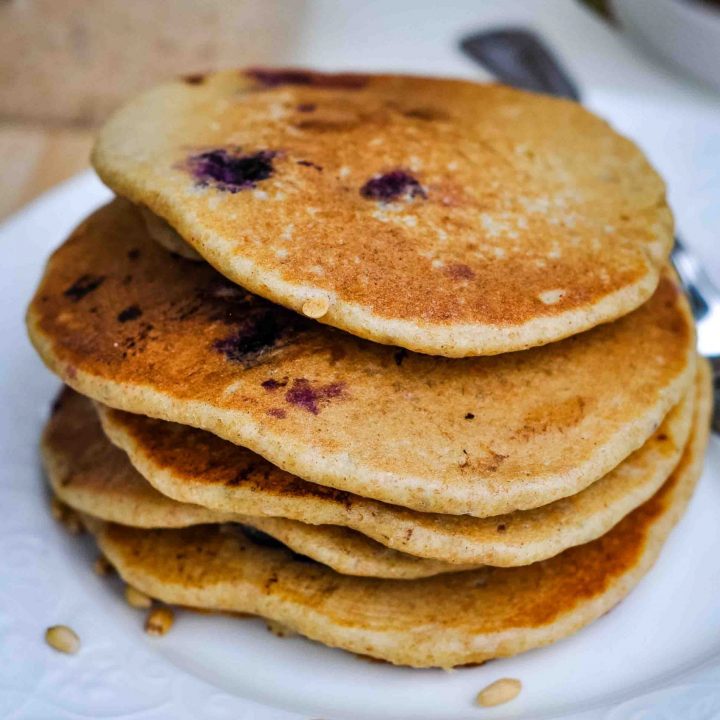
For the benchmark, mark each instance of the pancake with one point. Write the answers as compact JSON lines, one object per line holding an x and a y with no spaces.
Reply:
{"x":124,"y":322}
{"x":93,"y":477}
{"x":443,"y":216}
{"x":194,"y":466}
{"x":447,"y":620}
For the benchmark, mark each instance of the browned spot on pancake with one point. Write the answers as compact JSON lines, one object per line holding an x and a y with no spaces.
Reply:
{"x":83,"y":286}
{"x":310,"y":164}
{"x":459,"y":271}
{"x":278,"y":413}
{"x":132,"y":312}
{"x":197,"y":79}
{"x":556,"y":416}
{"x":428,"y":114}
{"x":273,"y":384}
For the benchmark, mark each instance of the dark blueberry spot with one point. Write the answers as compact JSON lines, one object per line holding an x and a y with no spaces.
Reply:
{"x":259,"y":327}
{"x":84,"y":285}
{"x":399,"y":356}
{"x":260,"y":331}
{"x":469,"y":416}
{"x":133,"y":254}
{"x":127,"y":279}
{"x":308,"y":163}
{"x":133,"y":312}
{"x":501,"y":528}
{"x":306,"y":107}
{"x":391,"y":186}
{"x":278,"y":413}
{"x":197,"y":79}
{"x":662,"y":437}
{"x":271,"y":78}
{"x":273,"y":384}
{"x":304,"y":395}
{"x":231,"y":171}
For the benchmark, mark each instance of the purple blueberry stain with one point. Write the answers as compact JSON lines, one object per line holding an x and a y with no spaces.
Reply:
{"x":306,"y":107}
{"x":132,"y":312}
{"x":231,"y":171}
{"x":393,"y":186}
{"x":303,"y":394}
{"x":276,"y":77}
{"x":278,"y":413}
{"x":83,"y":286}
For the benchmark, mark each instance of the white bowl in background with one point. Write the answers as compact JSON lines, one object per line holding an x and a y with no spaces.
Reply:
{"x":685,"y":32}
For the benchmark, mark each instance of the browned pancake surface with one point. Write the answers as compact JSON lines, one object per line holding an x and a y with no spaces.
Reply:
{"x":128,"y":324}
{"x":443,"y":216}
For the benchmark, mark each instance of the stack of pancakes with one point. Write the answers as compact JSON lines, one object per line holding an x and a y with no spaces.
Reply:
{"x":396,"y":362}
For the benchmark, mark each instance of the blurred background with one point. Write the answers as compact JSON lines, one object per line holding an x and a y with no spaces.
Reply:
{"x":65,"y":64}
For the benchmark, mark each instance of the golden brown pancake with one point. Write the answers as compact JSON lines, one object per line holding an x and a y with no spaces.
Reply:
{"x":194,"y":466}
{"x":443,"y":216}
{"x":447,"y":620}
{"x":124,"y":322}
{"x":93,"y":477}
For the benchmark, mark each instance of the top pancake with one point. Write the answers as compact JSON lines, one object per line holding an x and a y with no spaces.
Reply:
{"x":443,"y":216}
{"x":127,"y":324}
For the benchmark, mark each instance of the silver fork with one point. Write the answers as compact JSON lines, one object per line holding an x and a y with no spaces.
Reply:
{"x":519,"y":57}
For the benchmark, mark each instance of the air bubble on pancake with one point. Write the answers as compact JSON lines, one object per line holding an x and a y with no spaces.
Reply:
{"x":316,"y":307}
{"x":551,"y":297}
{"x":230,"y":171}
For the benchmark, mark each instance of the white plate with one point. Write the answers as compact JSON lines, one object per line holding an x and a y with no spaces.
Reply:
{"x":656,"y":655}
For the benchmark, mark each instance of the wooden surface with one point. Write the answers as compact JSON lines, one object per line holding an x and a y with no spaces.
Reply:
{"x":35,"y":158}
{"x":66,"y":64}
